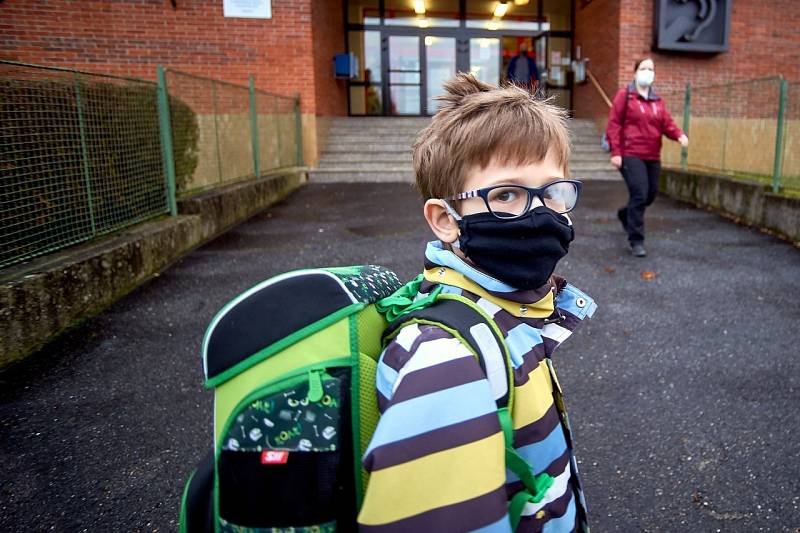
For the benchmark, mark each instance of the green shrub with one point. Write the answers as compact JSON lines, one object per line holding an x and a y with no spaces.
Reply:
{"x":48,"y":148}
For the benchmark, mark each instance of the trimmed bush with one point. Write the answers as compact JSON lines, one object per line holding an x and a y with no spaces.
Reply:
{"x":66,"y":176}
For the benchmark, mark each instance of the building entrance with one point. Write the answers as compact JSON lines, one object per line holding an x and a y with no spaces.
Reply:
{"x":419,"y":65}
{"x":407,"y":49}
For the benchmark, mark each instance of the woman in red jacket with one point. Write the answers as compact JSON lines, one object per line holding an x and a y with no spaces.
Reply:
{"x":636,"y":122}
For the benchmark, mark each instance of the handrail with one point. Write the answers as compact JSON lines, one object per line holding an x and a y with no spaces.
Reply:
{"x":599,"y":88}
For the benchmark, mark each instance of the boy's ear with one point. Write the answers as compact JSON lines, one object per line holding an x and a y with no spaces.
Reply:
{"x":443,"y":225}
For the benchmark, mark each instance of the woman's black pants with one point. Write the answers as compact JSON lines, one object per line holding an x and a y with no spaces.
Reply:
{"x":641,"y":177}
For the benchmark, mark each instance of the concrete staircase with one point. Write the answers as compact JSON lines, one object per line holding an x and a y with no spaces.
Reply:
{"x":378,"y":149}
{"x":588,"y":160}
{"x":366,"y":149}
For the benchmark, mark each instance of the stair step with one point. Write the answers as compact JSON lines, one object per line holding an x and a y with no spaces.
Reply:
{"x":349,"y":175}
{"x":589,"y":157}
{"x":388,"y":166}
{"x":356,"y":157}
{"x":591,"y":167}
{"x":372,"y":136}
{"x":368,"y":147}
{"x":597,"y":176}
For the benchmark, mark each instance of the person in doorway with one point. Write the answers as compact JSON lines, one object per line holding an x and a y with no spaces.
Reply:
{"x":373,"y":101}
{"x":636,"y":122}
{"x":522,"y":69}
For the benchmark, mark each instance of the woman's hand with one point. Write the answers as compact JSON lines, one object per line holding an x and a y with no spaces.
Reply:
{"x":616,"y":160}
{"x":684,"y":140}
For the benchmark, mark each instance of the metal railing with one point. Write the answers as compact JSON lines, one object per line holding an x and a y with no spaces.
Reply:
{"x":242,"y":132}
{"x":749,"y":130}
{"x":79,"y":157}
{"x":85,"y":154}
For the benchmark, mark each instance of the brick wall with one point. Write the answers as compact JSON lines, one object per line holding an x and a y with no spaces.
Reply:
{"x":764,"y":41}
{"x":328,"y":32}
{"x":597,"y":33}
{"x":131,"y":37}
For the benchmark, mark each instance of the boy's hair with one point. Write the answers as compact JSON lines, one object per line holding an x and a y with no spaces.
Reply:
{"x":477,"y":123}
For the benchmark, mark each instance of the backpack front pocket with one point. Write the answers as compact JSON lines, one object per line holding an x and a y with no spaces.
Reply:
{"x":281,"y":463}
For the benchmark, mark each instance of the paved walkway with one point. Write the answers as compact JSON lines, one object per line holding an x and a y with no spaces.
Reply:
{"x":683,"y":389}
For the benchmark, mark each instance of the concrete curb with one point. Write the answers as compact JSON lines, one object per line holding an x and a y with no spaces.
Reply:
{"x":42,"y":299}
{"x":750,"y":203}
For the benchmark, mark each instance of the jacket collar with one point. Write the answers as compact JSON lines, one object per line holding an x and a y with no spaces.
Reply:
{"x":443,"y":266}
{"x":652,"y":95}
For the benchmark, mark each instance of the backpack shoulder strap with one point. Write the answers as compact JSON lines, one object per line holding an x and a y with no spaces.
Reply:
{"x":625,"y":108}
{"x":468,"y":322}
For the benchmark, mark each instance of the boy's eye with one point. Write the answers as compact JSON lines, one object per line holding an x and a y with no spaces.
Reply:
{"x":505,"y":201}
{"x":506,"y":194}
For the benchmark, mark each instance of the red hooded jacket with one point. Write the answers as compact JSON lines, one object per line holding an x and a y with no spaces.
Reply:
{"x":645,"y":120}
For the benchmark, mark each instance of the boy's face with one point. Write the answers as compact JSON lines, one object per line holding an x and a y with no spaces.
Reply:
{"x":536,"y":174}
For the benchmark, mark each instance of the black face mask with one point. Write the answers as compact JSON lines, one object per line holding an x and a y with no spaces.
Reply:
{"x":523,"y":251}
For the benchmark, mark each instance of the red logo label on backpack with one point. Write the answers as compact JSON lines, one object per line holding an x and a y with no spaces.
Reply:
{"x":274,"y":458}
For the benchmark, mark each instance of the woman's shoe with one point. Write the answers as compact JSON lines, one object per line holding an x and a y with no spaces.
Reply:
{"x":638,"y":250}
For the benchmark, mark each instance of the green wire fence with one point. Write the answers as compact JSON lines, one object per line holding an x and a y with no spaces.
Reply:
{"x":79,"y":156}
{"x":242,"y":131}
{"x":749,"y":130}
{"x":85,"y":154}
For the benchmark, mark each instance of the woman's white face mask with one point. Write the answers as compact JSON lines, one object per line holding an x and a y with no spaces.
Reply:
{"x":645,"y":77}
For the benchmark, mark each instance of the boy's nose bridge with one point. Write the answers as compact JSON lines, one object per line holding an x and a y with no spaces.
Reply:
{"x":536,"y":201}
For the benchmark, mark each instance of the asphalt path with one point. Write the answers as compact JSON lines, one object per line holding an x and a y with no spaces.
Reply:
{"x":683,"y":389}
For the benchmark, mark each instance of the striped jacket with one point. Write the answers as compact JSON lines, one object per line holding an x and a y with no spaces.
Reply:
{"x":436,"y":460}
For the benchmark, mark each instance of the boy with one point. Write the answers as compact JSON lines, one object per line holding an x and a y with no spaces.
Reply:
{"x":491,"y":167}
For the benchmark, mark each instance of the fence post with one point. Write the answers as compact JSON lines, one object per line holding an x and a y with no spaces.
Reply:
{"x":278,"y":132}
{"x":777,"y":167}
{"x":687,"y":111}
{"x":85,"y":152}
{"x":165,"y":127}
{"x":254,"y":127}
{"x":216,"y":128}
{"x":298,"y":131}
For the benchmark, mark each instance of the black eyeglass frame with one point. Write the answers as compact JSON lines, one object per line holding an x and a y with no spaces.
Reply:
{"x":532,"y":191}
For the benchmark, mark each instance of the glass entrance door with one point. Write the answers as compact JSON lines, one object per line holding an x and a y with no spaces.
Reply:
{"x":554,"y":62}
{"x":407,"y":49}
{"x":440,"y":66}
{"x":417,"y":73}
{"x":484,"y":59}
{"x":405,"y":75}
{"x":418,"y":68}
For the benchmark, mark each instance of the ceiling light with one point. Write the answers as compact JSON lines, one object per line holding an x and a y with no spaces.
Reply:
{"x":521,"y":2}
{"x":501,"y":9}
{"x":419,"y":7}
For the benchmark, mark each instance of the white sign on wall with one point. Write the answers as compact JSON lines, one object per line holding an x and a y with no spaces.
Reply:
{"x":251,"y":9}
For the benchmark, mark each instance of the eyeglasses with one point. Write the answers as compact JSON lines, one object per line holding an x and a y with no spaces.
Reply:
{"x":512,"y":201}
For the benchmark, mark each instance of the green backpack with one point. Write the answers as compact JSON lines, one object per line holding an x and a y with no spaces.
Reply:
{"x":292,"y":362}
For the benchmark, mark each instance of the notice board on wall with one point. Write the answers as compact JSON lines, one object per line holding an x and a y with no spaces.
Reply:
{"x":251,"y":9}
